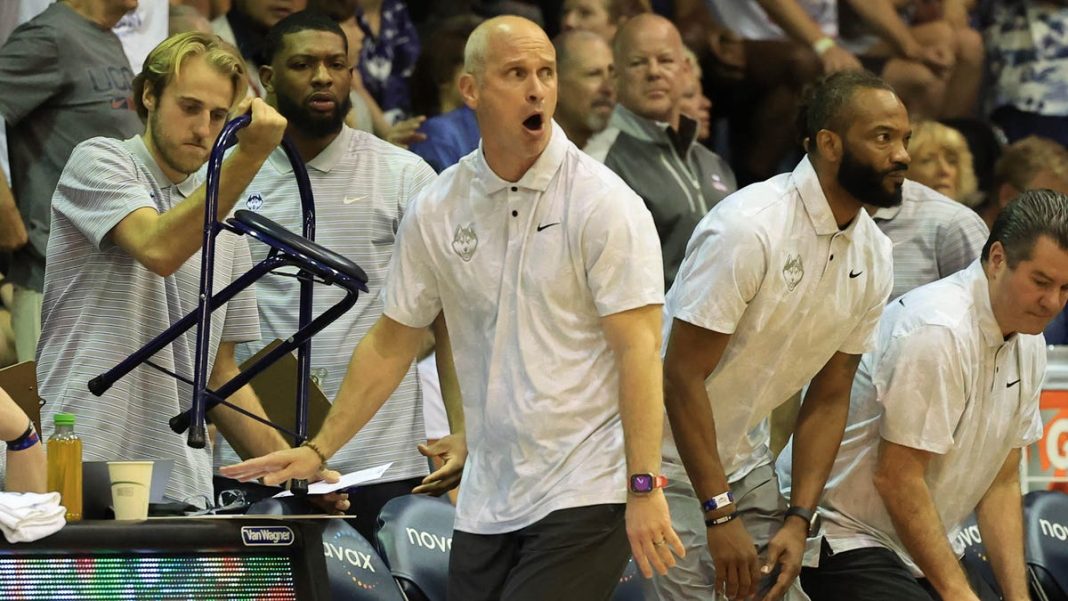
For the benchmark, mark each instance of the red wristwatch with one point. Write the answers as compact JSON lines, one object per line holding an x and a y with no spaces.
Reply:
{"x":646,"y":483}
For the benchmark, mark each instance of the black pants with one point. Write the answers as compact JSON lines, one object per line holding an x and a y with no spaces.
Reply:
{"x":573,"y":554}
{"x":873,"y":574}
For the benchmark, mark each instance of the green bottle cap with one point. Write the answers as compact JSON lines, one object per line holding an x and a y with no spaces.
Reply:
{"x":64,"y":419}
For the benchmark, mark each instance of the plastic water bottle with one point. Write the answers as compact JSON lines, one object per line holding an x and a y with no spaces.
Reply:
{"x":65,"y":465}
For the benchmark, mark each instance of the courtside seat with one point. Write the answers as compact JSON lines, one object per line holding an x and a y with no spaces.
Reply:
{"x":1046,"y":538}
{"x":631,"y":585}
{"x":976,"y":560}
{"x":357,"y":572}
{"x":415,"y":538}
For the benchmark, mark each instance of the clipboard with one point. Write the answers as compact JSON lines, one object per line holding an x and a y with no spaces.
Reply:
{"x":276,"y":388}
{"x":20,"y":382}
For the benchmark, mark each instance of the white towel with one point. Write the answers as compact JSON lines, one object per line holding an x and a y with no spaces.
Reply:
{"x":26,"y":517}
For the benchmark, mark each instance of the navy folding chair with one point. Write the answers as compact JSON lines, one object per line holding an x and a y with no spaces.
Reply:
{"x":316,"y":264}
{"x":1046,"y":539}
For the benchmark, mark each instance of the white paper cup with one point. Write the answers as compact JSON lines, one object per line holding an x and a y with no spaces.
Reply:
{"x":130,"y":482}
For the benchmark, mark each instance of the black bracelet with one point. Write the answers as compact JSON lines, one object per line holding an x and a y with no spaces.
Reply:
{"x":27,"y":440}
{"x":712,"y":523}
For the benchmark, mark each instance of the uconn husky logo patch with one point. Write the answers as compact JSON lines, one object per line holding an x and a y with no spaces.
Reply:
{"x":254,"y":202}
{"x":793,"y":271}
{"x":464,"y":242}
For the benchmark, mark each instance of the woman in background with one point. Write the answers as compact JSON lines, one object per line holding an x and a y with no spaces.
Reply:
{"x":941,"y":160}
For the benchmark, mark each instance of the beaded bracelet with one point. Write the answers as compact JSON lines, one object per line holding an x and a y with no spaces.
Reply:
{"x":315,"y":448}
{"x":27,"y":440}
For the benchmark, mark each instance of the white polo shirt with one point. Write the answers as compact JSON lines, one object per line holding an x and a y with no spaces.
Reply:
{"x":524,"y":272}
{"x":943,"y":380}
{"x":769,"y":266}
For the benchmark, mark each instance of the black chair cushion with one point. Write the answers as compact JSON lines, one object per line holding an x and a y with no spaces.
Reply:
{"x":297,"y":244}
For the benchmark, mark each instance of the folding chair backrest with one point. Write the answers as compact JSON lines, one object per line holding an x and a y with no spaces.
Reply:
{"x":415,"y":538}
{"x":1046,"y":537}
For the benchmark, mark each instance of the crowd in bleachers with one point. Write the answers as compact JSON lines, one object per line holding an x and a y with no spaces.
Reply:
{"x":976,"y":76}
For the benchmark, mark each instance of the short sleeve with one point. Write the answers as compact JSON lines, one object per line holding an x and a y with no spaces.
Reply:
{"x":621,"y":254}
{"x":100,"y":186}
{"x":412,"y":295}
{"x":863,"y":337}
{"x":960,"y":242}
{"x":724,"y":268}
{"x":30,"y":71}
{"x":242,"y":314}
{"x":417,"y":176}
{"x":920,"y":383}
{"x":1029,"y":417}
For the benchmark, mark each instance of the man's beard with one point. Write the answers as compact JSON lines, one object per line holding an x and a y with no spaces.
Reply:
{"x":865,"y":183}
{"x":163,"y":147}
{"x":315,"y":125}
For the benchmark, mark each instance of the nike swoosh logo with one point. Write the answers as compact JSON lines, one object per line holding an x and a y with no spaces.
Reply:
{"x":351,"y":199}
{"x":541,"y":227}
{"x":1011,"y":384}
{"x":853,"y":275}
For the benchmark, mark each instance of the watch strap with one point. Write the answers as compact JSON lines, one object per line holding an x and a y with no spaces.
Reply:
{"x":805,"y":515}
{"x":655,"y":480}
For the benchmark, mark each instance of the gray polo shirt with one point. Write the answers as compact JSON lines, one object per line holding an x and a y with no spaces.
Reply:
{"x":934,"y":236}
{"x":100,"y":305}
{"x":678,"y":179}
{"x":63,"y":80}
{"x":362,"y":186}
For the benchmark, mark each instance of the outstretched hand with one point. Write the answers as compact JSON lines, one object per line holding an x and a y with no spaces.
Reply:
{"x":452,"y":451}
{"x":300,"y":463}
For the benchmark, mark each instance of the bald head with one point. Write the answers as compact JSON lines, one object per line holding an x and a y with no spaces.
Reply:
{"x":499,"y":31}
{"x":651,"y":69}
{"x":509,"y":80}
{"x":644,"y":26}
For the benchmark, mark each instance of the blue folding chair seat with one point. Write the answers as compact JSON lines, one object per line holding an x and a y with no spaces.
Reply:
{"x":311,"y":254}
{"x":314,"y":262}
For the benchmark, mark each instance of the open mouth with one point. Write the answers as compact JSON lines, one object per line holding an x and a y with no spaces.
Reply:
{"x":534,"y":122}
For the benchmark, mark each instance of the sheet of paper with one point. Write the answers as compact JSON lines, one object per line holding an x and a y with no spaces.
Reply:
{"x":361,"y":477}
